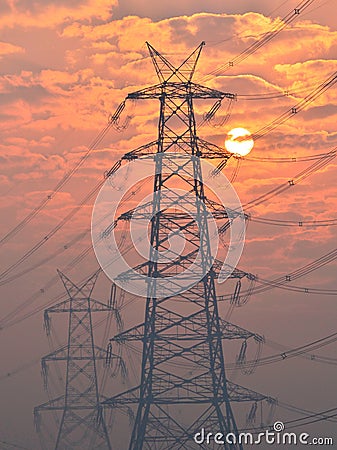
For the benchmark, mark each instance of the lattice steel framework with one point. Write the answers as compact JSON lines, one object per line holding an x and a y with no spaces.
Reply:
{"x":82,"y":423}
{"x":185,"y":329}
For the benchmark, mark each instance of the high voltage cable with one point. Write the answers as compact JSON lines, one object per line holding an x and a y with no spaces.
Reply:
{"x":324,"y":160}
{"x":317,"y":417}
{"x":293,"y":223}
{"x":329,"y":82}
{"x":301,"y":176}
{"x":57,"y":188}
{"x":263,"y":220}
{"x":10,"y":444}
{"x":286,"y":353}
{"x":113,"y":122}
{"x":54,"y":230}
{"x":262,"y":132}
{"x":286,"y":159}
{"x":271,"y":96}
{"x":324,"y":416}
{"x":289,"y":353}
{"x":282,"y":281}
{"x":285,"y":21}
{"x":323,"y":87}
{"x":319,"y":164}
{"x":54,"y":280}
{"x":305,"y":412}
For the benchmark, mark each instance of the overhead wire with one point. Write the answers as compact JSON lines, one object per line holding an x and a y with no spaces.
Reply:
{"x":282,"y":281}
{"x":301,"y":176}
{"x":260,"y":133}
{"x":293,"y":223}
{"x":287,"y":159}
{"x":286,"y":354}
{"x":276,"y":191}
{"x":10,"y":234}
{"x":76,"y":260}
{"x":333,"y":219}
{"x":12,"y":445}
{"x":302,"y":421}
{"x":298,"y":107}
{"x":266,"y":37}
{"x":286,"y":20}
{"x":27,"y":256}
{"x":53,"y":231}
{"x":321,"y":162}
{"x":280,"y":93}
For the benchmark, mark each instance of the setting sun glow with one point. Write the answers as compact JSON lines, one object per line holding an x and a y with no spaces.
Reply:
{"x":239,"y":141}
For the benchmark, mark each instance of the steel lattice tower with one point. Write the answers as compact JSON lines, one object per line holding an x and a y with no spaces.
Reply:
{"x":82,"y":423}
{"x":186,"y":327}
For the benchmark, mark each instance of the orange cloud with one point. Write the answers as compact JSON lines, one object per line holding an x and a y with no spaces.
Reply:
{"x":52,"y":13}
{"x":9,"y":49}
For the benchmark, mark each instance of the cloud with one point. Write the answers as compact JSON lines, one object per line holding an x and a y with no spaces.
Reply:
{"x":321,"y":112}
{"x":53,"y":13}
{"x":9,"y":49}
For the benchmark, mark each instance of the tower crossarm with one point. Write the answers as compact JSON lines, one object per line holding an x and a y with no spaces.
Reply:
{"x":231,"y":331}
{"x":206,"y":150}
{"x":233,"y":272}
{"x":168,"y":330}
{"x":143,"y":150}
{"x":184,"y":261}
{"x":78,"y":305}
{"x":144,"y":211}
{"x":210,"y":150}
{"x":179,"y":90}
{"x":56,"y":404}
{"x":176,"y":389}
{"x":228,"y":212}
{"x":239,"y":393}
{"x":83,"y":352}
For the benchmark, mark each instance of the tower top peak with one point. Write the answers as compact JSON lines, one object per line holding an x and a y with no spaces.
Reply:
{"x":166,"y":71}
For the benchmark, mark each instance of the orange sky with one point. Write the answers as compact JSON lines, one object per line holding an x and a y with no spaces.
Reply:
{"x":67,"y":65}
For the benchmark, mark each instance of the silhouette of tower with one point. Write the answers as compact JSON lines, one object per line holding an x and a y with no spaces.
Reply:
{"x":82,"y":424}
{"x":185,"y":329}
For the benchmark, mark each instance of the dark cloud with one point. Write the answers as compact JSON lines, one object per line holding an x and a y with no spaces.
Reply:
{"x":4,"y":7}
{"x":171,"y":8}
{"x":35,"y":5}
{"x":5,"y":117}
{"x":320,"y":112}
{"x":166,"y":9}
{"x":33,"y":94}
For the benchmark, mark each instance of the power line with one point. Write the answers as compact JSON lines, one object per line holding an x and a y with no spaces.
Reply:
{"x":113,"y":122}
{"x":276,"y":191}
{"x":266,"y":37}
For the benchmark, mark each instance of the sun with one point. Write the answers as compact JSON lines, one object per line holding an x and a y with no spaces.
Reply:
{"x":239,"y":141}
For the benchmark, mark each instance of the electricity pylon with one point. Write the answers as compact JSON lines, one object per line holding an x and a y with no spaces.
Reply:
{"x":82,"y":424}
{"x":180,"y":330}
